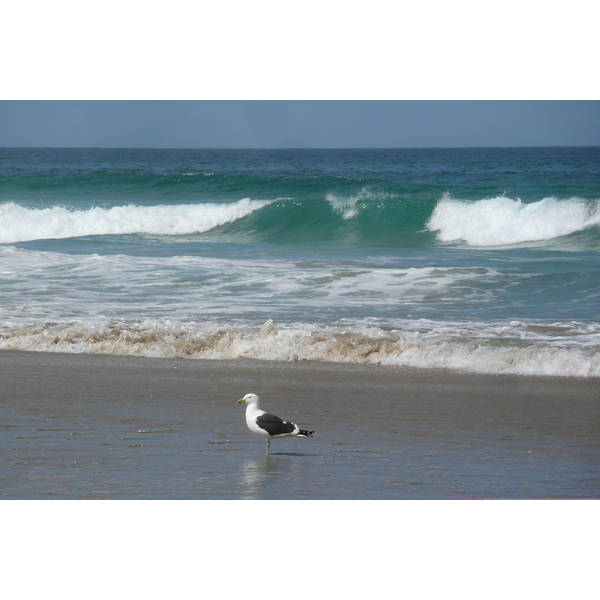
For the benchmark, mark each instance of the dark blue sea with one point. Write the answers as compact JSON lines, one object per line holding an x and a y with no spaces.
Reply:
{"x":479,"y":260}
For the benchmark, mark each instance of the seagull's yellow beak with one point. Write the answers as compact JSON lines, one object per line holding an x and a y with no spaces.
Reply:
{"x":241,"y":401}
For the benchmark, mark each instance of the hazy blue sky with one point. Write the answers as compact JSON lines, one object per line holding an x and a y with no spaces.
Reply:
{"x":298,"y":124}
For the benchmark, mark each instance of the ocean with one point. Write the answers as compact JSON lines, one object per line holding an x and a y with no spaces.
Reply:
{"x":474,"y":260}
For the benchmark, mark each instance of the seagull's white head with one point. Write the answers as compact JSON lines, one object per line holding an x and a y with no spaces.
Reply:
{"x":249,"y":399}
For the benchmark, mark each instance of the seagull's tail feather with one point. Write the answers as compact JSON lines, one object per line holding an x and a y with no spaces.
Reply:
{"x":305,"y":433}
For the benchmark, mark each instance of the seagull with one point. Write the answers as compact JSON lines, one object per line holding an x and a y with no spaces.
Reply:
{"x":266,"y":425}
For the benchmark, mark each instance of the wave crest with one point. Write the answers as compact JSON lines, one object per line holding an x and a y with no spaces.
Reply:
{"x":349,"y":207}
{"x":366,"y":218}
{"x":20,"y":224}
{"x":503,"y":221}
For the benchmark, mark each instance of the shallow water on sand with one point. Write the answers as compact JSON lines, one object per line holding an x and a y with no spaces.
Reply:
{"x":112,"y":427}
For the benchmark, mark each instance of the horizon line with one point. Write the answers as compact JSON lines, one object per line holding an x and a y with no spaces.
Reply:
{"x":290,"y":148}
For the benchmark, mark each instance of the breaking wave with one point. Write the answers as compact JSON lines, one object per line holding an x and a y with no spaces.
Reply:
{"x":453,"y":348}
{"x":350,"y":207}
{"x":502,"y":221}
{"x":21,"y":224}
{"x":367,"y":218}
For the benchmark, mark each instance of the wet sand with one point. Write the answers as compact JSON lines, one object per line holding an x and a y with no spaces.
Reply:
{"x":95,"y":427}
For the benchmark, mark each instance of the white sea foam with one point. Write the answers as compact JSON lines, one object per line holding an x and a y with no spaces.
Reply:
{"x":349,"y":207}
{"x":430,"y":347}
{"x":21,"y":224}
{"x":56,"y":286}
{"x":501,"y":221}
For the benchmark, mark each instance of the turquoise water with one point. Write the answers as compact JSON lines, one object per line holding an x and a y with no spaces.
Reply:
{"x":480,"y":260}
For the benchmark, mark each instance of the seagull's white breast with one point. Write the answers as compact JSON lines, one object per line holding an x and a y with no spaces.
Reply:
{"x":251,"y":414}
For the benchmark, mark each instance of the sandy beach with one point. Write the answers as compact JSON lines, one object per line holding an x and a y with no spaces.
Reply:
{"x":94,"y":427}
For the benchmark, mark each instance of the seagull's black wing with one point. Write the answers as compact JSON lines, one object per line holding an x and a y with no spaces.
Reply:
{"x":274,"y":425}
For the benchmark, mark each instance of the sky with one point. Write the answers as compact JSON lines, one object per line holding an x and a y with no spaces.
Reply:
{"x":316,"y":74}
{"x":298,"y":124}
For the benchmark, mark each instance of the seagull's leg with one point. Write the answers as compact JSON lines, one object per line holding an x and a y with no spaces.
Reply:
{"x":268,"y":445}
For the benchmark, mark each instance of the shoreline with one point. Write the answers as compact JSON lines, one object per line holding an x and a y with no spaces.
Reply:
{"x":106,"y":426}
{"x":248,"y":362}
